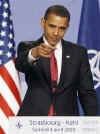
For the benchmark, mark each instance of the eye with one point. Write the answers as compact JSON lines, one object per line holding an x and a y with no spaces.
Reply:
{"x":62,"y":28}
{"x":52,"y":26}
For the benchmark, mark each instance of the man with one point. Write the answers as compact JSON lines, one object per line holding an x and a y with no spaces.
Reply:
{"x":72,"y":75}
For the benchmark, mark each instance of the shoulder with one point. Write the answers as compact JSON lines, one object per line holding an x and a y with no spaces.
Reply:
{"x":29,"y":44}
{"x":76,"y":50}
{"x":73,"y":46}
{"x":33,"y":42}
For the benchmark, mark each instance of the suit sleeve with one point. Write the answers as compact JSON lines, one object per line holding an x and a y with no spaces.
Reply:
{"x":22,"y":64}
{"x":86,"y":92}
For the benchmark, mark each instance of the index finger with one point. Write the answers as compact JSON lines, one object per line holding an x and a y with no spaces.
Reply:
{"x":48,"y":47}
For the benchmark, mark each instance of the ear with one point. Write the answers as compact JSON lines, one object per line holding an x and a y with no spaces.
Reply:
{"x":43,"y":22}
{"x":68,"y":25}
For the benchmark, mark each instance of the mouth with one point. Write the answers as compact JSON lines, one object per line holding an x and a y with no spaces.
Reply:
{"x":54,"y":39}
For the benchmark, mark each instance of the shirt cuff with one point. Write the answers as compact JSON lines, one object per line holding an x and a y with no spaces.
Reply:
{"x":31,"y":58}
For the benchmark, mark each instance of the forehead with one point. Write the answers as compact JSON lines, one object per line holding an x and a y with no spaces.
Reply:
{"x":54,"y":19}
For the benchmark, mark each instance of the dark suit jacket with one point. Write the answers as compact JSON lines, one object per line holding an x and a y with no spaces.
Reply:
{"x":75,"y":78}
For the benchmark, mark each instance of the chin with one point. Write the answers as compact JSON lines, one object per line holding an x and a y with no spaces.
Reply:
{"x":53,"y":43}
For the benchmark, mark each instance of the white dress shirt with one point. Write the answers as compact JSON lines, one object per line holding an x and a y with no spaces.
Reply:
{"x":58,"y":56}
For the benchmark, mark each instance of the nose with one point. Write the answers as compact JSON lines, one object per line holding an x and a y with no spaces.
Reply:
{"x":56,"y":31}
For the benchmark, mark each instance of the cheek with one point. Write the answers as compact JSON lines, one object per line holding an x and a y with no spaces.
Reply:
{"x":61,"y":34}
{"x":48,"y":32}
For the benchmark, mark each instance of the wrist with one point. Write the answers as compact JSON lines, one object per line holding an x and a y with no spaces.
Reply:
{"x":34,"y":52}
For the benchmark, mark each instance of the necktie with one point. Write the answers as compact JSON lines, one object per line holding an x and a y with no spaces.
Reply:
{"x":54,"y":77}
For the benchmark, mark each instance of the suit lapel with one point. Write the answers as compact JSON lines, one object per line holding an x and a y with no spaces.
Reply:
{"x":66,"y":60}
{"x":44,"y":64}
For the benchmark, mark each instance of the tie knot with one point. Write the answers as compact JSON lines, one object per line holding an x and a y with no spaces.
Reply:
{"x":52,"y":53}
{"x":53,"y":58}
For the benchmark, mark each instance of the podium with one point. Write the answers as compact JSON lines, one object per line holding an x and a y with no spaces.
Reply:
{"x":54,"y":125}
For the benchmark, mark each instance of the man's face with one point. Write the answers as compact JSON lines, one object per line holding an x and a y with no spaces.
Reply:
{"x":54,"y":28}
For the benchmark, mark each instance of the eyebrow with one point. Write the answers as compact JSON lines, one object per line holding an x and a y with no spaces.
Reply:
{"x":52,"y":25}
{"x":62,"y":27}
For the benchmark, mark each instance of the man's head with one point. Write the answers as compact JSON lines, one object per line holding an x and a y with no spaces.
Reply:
{"x":55,"y":23}
{"x":58,"y":10}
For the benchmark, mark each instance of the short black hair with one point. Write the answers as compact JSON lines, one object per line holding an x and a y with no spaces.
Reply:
{"x":58,"y":10}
